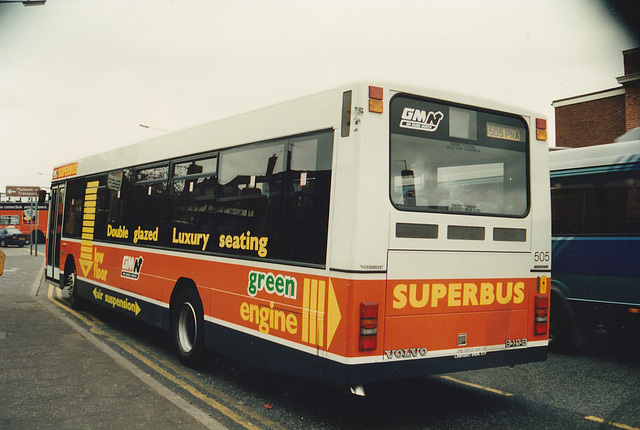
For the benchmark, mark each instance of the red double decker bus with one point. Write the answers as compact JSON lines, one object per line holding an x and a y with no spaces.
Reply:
{"x":20,"y":214}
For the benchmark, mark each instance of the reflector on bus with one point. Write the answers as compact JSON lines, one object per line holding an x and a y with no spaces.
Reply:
{"x":541,"y":129}
{"x":375,"y":99}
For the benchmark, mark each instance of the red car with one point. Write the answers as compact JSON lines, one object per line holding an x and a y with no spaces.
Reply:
{"x":12,"y":236}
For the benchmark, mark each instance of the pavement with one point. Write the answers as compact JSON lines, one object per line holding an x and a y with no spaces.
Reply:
{"x":56,"y":375}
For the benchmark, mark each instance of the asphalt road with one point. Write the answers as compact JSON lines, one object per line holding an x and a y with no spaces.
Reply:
{"x":54,"y":374}
{"x":592,"y":388}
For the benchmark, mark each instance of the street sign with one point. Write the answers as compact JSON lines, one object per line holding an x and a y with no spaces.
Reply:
{"x":13,"y":191}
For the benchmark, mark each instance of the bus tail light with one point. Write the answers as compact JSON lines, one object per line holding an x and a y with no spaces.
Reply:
{"x":368,"y":326}
{"x":541,"y":324}
{"x":541,"y":129}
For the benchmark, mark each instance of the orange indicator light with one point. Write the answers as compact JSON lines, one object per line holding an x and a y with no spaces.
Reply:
{"x":375,"y":106}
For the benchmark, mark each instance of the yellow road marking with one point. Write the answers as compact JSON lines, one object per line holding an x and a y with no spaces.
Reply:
{"x":193,"y":390}
{"x":217,"y":393}
{"x":480,"y":387}
{"x":611,"y":423}
{"x":502,"y":393}
{"x":95,"y":319}
{"x":57,"y":292}
{"x":187,"y":387}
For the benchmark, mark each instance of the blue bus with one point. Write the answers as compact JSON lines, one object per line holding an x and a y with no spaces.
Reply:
{"x":595,"y":201}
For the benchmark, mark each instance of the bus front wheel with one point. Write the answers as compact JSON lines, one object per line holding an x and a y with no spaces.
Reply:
{"x":71,"y":282}
{"x":187,"y":327}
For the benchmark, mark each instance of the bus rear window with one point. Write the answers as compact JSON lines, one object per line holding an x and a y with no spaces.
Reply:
{"x":456,"y":159}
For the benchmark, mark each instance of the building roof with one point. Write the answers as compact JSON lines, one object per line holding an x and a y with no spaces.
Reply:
{"x":588,"y":97}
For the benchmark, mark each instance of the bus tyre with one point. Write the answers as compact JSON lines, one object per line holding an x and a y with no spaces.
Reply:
{"x":71,"y":282}
{"x":187,"y":328}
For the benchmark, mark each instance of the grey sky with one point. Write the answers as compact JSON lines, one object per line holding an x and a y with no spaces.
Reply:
{"x":77,"y":77}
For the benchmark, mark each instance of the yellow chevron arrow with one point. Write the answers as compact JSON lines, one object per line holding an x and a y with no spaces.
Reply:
{"x":85,"y":265}
{"x":333,"y":314}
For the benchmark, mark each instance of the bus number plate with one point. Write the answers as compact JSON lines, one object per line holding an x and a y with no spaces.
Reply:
{"x":506,"y":133}
{"x":511,"y":343}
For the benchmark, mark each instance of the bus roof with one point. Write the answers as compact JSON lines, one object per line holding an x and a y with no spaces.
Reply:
{"x":591,"y":156}
{"x":302,"y":115}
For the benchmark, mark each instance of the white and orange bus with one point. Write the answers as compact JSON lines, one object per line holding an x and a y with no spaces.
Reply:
{"x":361,"y":234}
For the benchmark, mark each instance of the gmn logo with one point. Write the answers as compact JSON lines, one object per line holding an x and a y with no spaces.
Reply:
{"x":131,"y":267}
{"x":417,"y":119}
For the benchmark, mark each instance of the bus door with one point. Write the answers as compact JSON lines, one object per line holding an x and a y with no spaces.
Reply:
{"x":54,"y":233}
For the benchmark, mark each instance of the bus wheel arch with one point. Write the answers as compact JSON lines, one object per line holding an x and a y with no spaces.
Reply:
{"x":187,"y":323}
{"x":564,"y":332}
{"x":37,"y":236}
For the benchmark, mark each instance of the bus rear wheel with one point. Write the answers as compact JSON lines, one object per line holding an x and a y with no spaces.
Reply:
{"x":187,"y":328}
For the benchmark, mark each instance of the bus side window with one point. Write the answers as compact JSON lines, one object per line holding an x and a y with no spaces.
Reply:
{"x":76,"y":189}
{"x":598,"y":204}
{"x":10,"y":219}
{"x":192,"y":200}
{"x":307,"y":208}
{"x":120,"y":198}
{"x":249,"y":200}
{"x":149,"y":208}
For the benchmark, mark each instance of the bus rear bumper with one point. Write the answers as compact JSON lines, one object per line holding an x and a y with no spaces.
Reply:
{"x":386,"y":371}
{"x":269,"y":355}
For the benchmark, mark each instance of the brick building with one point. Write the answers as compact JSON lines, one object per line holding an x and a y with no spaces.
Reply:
{"x":601,"y":117}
